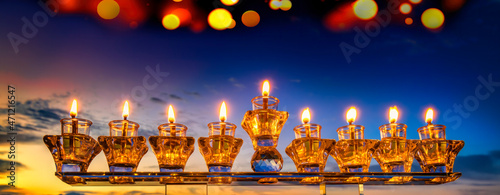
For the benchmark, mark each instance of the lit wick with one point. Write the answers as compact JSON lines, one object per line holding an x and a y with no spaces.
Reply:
{"x":222,"y":117}
{"x":351,"y":117}
{"x":306,"y":117}
{"x":171,"y":119}
{"x":393,"y":117}
{"x":428,"y":118}
{"x":74,"y":121}
{"x":125,"y":114}
{"x":265,"y":93}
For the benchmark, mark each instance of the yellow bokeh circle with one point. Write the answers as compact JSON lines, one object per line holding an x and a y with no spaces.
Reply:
{"x":405,"y":8}
{"x":229,"y":2}
{"x":365,"y":9}
{"x":219,"y":19}
{"x":171,"y":22}
{"x":432,"y":18}
{"x":275,"y":4}
{"x":108,"y":9}
{"x":286,"y":5}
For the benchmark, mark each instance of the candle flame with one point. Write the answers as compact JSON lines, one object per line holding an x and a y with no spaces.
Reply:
{"x":222,"y":113}
{"x":171,"y":115}
{"x":393,"y":114}
{"x":265,"y":88}
{"x":351,"y":115}
{"x":306,"y":116}
{"x":126,"y":109}
{"x":429,"y":115}
{"x":74,"y":109}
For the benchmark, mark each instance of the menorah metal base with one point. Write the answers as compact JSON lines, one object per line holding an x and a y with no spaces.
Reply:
{"x":253,"y":178}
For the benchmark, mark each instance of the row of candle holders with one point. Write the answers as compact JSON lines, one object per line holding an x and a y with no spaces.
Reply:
{"x":74,"y":149}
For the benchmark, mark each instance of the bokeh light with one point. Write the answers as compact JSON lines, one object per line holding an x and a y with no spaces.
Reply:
{"x":108,"y":9}
{"x":415,"y":1}
{"x":286,"y":5}
{"x":409,"y":21}
{"x":229,"y":2}
{"x":219,"y":19}
{"x":177,"y":0}
{"x":171,"y":22}
{"x":432,"y":18}
{"x":341,"y":19}
{"x":184,"y":16}
{"x":275,"y":4}
{"x":405,"y":8}
{"x":232,"y":25}
{"x":365,"y":9}
{"x":250,"y":18}
{"x":452,"y":5}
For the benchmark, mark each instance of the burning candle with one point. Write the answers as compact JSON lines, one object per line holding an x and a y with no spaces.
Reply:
{"x":222,"y":118}
{"x":124,"y":127}
{"x":307,"y":129}
{"x":351,"y":131}
{"x":75,"y":125}
{"x":393,"y":129}
{"x":171,"y":128}
{"x":265,"y":101}
{"x":431,"y":131}
{"x":73,"y":113}
{"x":265,"y":93}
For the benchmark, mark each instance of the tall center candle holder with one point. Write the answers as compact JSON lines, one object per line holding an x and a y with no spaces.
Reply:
{"x":434,"y":153}
{"x":263,"y":124}
{"x":353,"y":152}
{"x":308,"y":151}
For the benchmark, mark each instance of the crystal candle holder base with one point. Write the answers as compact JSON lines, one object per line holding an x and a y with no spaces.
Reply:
{"x":354,"y":155}
{"x":72,"y":152}
{"x":310,"y":154}
{"x":172,"y":153}
{"x":123,"y":153}
{"x":438,"y":156}
{"x":395,"y":154}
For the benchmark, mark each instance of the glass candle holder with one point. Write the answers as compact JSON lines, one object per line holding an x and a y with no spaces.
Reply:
{"x":432,"y":132}
{"x":394,"y":152}
{"x":221,"y":147}
{"x":172,"y":148}
{"x":265,"y":102}
{"x":352,"y":152}
{"x":434,"y":153}
{"x":308,"y":151}
{"x":264,"y":128}
{"x":74,"y":149}
{"x":124,"y":149}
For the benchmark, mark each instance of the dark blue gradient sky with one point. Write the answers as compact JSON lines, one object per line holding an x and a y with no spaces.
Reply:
{"x":77,"y":56}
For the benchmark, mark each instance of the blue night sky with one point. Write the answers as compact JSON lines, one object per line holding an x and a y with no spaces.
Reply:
{"x":98,"y":62}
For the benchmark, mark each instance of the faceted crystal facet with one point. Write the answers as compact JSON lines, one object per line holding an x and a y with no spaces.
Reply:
{"x":172,"y":153}
{"x":310,"y":154}
{"x":267,"y":159}
{"x":438,"y":155}
{"x":395,"y":154}
{"x":264,"y":126}
{"x":219,"y":151}
{"x":123,"y":153}
{"x":354,"y":155}
{"x":72,"y":152}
